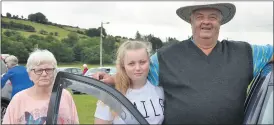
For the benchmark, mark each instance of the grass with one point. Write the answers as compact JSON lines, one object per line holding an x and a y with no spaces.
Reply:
{"x":86,"y":106}
{"x":62,"y":33}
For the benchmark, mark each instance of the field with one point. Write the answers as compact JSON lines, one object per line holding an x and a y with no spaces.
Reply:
{"x":62,"y":32}
{"x":86,"y":106}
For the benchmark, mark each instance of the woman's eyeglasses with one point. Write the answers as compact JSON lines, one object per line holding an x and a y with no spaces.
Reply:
{"x":40,"y":71}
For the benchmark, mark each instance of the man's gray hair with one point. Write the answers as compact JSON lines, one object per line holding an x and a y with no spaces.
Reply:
{"x":38,"y":56}
{"x":11,"y":60}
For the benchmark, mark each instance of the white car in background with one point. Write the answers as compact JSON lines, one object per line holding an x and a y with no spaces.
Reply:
{"x":109,"y":70}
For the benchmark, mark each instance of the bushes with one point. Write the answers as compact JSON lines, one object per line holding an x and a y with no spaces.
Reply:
{"x":67,"y":50}
{"x":43,"y":32}
{"x":17,"y":26}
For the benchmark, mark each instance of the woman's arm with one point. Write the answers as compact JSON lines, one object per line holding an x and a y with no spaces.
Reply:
{"x":101,"y":121}
{"x":102,"y":114}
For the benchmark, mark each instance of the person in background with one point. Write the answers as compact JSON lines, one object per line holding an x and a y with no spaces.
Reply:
{"x":30,"y":106}
{"x":17,"y":75}
{"x":131,"y":80}
{"x":85,"y":68}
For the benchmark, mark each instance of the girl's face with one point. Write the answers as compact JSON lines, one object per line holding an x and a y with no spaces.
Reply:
{"x":136,"y":63}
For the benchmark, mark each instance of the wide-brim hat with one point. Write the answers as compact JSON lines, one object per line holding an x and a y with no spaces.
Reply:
{"x":227,"y":10}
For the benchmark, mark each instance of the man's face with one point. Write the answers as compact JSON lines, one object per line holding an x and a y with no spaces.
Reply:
{"x":206,"y":23}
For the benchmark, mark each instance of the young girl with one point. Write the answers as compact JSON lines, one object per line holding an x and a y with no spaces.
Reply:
{"x":131,"y":80}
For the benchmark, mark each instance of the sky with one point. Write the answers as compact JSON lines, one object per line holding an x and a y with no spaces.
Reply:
{"x":252,"y":23}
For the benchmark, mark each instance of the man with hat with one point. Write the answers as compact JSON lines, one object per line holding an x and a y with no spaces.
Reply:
{"x":205,"y":80}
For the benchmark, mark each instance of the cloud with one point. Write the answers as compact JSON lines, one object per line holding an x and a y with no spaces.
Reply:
{"x":253,"y":20}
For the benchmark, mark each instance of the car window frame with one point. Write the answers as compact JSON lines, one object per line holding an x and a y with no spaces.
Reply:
{"x":59,"y":84}
{"x":256,"y":95}
{"x":263,"y":110}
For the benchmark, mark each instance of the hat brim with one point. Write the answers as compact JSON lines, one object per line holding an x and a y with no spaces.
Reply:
{"x":227,"y":10}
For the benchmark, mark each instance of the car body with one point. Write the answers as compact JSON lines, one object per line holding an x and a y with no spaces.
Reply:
{"x":73,"y":70}
{"x":258,"y":104}
{"x":109,"y":70}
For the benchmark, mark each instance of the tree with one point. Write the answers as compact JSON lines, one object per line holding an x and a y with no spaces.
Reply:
{"x":170,"y":41}
{"x":8,"y":15}
{"x":156,"y":43}
{"x":103,"y":32}
{"x":138,"y":36}
{"x":72,"y":39}
{"x":38,"y":17}
{"x":92,"y":32}
{"x":2,"y":15}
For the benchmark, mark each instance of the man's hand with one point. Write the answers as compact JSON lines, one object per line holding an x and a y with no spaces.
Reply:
{"x":104,"y":77}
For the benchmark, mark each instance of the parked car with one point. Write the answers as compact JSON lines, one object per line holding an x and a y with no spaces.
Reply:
{"x":5,"y":91}
{"x":109,"y":70}
{"x":73,"y":70}
{"x":258,"y":105}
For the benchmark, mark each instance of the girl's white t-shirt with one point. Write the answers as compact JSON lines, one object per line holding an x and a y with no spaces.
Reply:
{"x":149,"y":100}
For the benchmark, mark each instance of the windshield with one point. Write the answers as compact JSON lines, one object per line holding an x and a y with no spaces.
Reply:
{"x":91,"y":71}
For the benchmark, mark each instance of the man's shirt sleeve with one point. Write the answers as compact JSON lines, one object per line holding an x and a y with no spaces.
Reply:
{"x":262,"y":54}
{"x":153,"y":75}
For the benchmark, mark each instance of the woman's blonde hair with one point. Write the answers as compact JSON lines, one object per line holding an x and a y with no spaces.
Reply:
{"x":122,"y":81}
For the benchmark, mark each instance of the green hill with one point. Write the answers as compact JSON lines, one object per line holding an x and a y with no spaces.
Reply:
{"x":62,"y":32}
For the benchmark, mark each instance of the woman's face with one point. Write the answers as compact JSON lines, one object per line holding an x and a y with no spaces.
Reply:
{"x":136,"y":63}
{"x":43,"y":75}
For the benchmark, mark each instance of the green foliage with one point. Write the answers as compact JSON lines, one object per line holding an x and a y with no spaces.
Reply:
{"x":43,"y":32}
{"x":72,"y":39}
{"x":8,"y":15}
{"x":38,"y":17}
{"x":93,"y":32}
{"x":138,"y":36}
{"x":17,"y":26}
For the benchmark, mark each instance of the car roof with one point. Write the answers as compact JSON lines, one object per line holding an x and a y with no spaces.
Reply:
{"x":64,"y":68}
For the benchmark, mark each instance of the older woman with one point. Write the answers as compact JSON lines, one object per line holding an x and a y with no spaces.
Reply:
{"x":17,"y":75}
{"x":30,"y":106}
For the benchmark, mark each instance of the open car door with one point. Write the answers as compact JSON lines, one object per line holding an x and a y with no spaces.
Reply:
{"x":107,"y":94}
{"x":259,"y":102}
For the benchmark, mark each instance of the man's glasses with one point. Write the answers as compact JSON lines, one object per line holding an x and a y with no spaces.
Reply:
{"x":40,"y":71}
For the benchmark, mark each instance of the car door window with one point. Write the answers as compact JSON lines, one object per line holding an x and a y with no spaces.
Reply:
{"x":79,"y":71}
{"x":68,"y":70}
{"x":74,"y":71}
{"x":103,"y":92}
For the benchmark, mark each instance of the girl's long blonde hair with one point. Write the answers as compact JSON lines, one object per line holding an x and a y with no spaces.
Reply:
{"x":122,"y":81}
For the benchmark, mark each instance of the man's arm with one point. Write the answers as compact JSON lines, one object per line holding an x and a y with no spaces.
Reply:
{"x":262,"y":54}
{"x":5,"y":78}
{"x":153,"y":75}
